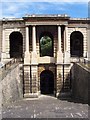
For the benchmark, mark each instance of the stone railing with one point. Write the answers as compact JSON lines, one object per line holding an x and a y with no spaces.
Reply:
{"x":4,"y":69}
{"x":11,"y":81}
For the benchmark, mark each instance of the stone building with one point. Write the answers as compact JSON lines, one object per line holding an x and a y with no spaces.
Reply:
{"x":48,"y":72}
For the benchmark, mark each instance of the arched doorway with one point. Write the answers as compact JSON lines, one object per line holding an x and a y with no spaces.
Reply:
{"x":46,"y":44}
{"x":47,"y":82}
{"x":16,"y":45}
{"x":76,"y":44}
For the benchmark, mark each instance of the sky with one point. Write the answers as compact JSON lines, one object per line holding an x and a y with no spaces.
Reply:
{"x":20,"y":8}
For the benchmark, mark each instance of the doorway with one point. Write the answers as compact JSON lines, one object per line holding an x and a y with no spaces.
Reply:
{"x":47,"y":82}
{"x":76,"y":44}
{"x":16,"y":45}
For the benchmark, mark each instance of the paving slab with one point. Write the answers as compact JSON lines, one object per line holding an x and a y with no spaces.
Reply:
{"x":45,"y":107}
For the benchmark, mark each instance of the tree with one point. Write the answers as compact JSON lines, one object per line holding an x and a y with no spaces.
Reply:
{"x":46,"y":46}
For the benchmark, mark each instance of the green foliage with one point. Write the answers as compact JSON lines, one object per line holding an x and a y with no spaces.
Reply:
{"x":46,"y":46}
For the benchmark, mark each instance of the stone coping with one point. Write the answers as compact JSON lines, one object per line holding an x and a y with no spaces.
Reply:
{"x":42,"y":16}
{"x":84,"y":66}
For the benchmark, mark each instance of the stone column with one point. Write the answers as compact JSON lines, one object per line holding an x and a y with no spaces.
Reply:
{"x":67,"y":51}
{"x":34,"y":53}
{"x":3,"y":54}
{"x":34,"y":67}
{"x":27,"y":79}
{"x":27,"y":53}
{"x":34,"y":38}
{"x":59,"y":38}
{"x":88,"y":43}
{"x":59,"y":51}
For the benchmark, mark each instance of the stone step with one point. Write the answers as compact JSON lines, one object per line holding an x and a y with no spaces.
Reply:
{"x":65,"y":95}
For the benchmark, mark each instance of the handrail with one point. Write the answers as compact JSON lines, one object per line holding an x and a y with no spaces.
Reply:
{"x":6,"y":67}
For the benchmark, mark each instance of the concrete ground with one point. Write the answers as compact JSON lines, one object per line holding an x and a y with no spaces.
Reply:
{"x":45,"y":107}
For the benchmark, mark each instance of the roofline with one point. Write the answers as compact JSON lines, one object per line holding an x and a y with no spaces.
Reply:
{"x":11,"y":19}
{"x":47,"y":15}
{"x":44,"y":16}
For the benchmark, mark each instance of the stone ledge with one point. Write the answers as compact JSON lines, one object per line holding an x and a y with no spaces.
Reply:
{"x":31,"y":95}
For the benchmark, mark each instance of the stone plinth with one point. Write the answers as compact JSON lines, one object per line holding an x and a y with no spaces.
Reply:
{"x":88,"y":55}
{"x":27,"y":58}
{"x":59,"y":57}
{"x":67,"y":58}
{"x":34,"y":58}
{"x":27,"y":80}
{"x":59,"y":78}
{"x":31,"y":95}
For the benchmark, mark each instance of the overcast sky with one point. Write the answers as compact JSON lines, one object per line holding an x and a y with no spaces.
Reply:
{"x":19,"y":8}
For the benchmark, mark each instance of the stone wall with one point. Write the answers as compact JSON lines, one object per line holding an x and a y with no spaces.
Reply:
{"x":50,"y":67}
{"x":12,"y":84}
{"x":81,"y":28}
{"x":80,"y":78}
{"x":0,"y":39}
{"x":10,"y":27}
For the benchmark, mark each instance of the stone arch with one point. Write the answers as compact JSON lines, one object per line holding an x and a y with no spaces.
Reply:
{"x":46,"y":44}
{"x":76,"y":44}
{"x":16,"y":44}
{"x":47,"y":82}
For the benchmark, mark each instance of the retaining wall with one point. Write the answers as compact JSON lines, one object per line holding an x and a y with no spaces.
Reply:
{"x":12,"y":84}
{"x":80,"y":82}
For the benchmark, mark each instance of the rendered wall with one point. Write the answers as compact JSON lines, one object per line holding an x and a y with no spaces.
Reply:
{"x":80,"y":80}
{"x":12,"y":85}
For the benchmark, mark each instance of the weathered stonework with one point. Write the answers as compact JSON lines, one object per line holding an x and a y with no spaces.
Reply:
{"x":12,"y":84}
{"x":80,"y":83}
{"x":32,"y":28}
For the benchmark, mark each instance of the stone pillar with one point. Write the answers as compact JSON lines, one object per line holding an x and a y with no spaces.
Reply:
{"x":34,"y":53}
{"x":34,"y":75}
{"x":34,"y":38}
{"x":27,"y":79}
{"x":3,"y":54}
{"x":34,"y":65}
{"x":88,"y":43}
{"x":59,"y":52}
{"x":27,"y":53}
{"x":67,"y":51}
{"x":59,"y":79}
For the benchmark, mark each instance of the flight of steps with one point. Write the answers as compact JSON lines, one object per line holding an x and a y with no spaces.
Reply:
{"x":66,"y":92}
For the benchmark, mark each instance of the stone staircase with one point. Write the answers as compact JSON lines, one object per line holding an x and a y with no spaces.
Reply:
{"x":66,"y":92}
{"x":7,"y":66}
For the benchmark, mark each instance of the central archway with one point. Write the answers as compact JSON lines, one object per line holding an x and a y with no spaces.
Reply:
{"x":47,"y":82}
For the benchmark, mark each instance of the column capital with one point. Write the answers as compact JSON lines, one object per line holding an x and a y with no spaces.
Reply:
{"x":27,"y":26}
{"x":33,"y":25}
{"x":58,"y":25}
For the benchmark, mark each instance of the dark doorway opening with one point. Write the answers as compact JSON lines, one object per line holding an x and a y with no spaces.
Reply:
{"x":47,"y":82}
{"x":76,"y":44}
{"x":16,"y":45}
